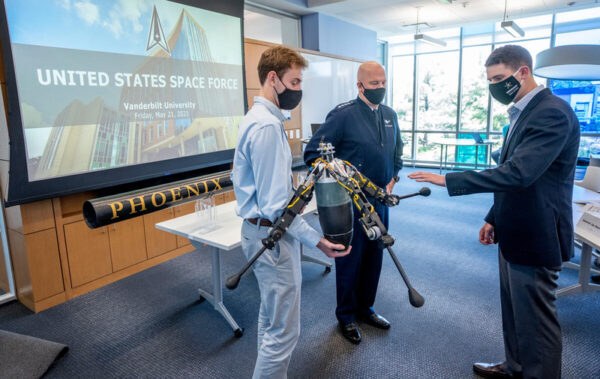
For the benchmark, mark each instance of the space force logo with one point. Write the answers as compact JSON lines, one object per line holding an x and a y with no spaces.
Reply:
{"x":156,"y":35}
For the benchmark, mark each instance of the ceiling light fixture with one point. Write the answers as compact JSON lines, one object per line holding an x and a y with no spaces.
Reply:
{"x":510,"y":26}
{"x":569,"y":62}
{"x":425,"y":38}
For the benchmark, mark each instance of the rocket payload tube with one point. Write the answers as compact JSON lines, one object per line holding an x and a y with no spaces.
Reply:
{"x":110,"y":209}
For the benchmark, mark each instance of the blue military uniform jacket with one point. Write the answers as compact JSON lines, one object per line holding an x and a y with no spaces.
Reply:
{"x":375,"y":149}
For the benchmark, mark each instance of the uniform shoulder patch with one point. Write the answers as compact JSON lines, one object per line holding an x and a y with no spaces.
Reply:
{"x":343,"y":105}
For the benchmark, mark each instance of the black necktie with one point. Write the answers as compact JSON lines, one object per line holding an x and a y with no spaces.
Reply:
{"x":378,"y":124}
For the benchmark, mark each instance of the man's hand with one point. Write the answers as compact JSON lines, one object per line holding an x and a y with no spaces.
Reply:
{"x":332,"y":250}
{"x":486,"y":234}
{"x":420,"y":176}
{"x":390,"y":186}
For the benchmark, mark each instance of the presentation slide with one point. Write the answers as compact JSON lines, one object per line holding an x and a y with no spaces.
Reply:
{"x":104,"y":84}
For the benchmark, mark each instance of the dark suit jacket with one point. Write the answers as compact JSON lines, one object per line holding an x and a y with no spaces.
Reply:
{"x":533,"y":184}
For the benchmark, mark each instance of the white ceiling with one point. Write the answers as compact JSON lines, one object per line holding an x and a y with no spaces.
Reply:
{"x":393,"y":17}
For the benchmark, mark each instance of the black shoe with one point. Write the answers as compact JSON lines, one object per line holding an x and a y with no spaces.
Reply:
{"x":351,"y":332}
{"x":376,"y":320}
{"x":493,"y":370}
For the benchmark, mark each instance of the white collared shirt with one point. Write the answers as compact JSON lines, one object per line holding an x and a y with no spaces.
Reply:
{"x":514,"y":111}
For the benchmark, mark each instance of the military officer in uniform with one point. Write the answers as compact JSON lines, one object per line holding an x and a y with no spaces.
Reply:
{"x":365,"y":133}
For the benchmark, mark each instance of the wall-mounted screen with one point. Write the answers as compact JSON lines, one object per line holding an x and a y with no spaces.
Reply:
{"x":327,"y":83}
{"x":110,"y":91}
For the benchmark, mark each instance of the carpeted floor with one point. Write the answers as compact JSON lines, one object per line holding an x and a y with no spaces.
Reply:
{"x":26,"y":357}
{"x":151,"y":325}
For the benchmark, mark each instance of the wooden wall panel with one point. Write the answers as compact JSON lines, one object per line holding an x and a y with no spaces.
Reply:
{"x":296,"y":119}
{"x":251,"y":93}
{"x":127,"y":243}
{"x":157,"y":241}
{"x":73,"y":204}
{"x":88,"y":251}
{"x":14,"y":219}
{"x":37,"y":216}
{"x":252,"y":53}
{"x":229,"y":196}
{"x":44,"y":264}
{"x":18,"y":256}
{"x":183,"y":210}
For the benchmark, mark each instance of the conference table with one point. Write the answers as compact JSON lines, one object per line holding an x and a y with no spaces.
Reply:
{"x":581,"y":196}
{"x":445,"y":142}
{"x":222,"y":236}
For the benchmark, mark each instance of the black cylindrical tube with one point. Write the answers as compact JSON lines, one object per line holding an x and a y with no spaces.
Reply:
{"x":335,"y":211}
{"x":108,"y":210}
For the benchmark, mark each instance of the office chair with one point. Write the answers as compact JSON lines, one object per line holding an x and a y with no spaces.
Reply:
{"x":591,"y":180}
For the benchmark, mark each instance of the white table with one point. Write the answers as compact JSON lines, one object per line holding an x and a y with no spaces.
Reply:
{"x":224,"y":236}
{"x":581,"y":194}
{"x":460,"y":142}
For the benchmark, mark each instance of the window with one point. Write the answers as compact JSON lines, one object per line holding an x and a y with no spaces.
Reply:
{"x":272,"y":27}
{"x":589,"y":146}
{"x":436,"y":75}
{"x":438,"y":88}
{"x":402,"y":90}
{"x":584,"y":98}
{"x":402,"y":99}
{"x":430,"y":151}
{"x":382,"y":53}
{"x":475,"y":93}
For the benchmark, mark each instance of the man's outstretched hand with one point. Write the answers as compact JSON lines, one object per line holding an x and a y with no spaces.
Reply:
{"x":332,"y":250}
{"x":421,"y":176}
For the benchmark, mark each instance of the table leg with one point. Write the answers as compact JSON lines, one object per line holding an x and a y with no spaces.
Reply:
{"x":441,"y":157}
{"x":575,"y":266}
{"x":476,"y":155}
{"x":308,"y":258}
{"x":584,"y":284}
{"x":216,"y":298}
{"x":446,"y":159}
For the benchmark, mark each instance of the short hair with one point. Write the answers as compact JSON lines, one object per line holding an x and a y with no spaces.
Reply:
{"x":278,"y":59}
{"x":513,"y":56}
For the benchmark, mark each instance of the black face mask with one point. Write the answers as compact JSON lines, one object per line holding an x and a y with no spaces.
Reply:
{"x":375,"y":96}
{"x":506,"y":90}
{"x":289,"y":98}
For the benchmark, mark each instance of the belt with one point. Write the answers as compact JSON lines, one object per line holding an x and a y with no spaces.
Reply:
{"x":261,"y":221}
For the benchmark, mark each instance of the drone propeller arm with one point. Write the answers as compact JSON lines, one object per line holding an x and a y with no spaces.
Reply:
{"x":301,"y":197}
{"x":370,"y":188}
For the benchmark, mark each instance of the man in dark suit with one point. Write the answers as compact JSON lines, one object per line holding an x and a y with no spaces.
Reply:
{"x":366,"y":134}
{"x":531,"y":215}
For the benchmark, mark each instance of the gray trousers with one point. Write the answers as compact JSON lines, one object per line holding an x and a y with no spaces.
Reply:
{"x":279,"y":277}
{"x":532,"y":335}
